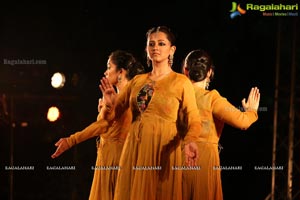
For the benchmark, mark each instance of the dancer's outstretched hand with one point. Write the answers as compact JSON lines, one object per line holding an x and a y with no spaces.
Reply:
{"x":108,"y":91}
{"x":62,"y":146}
{"x":252,"y":101}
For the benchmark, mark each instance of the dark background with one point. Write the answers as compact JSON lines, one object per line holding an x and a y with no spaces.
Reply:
{"x":76,"y":38}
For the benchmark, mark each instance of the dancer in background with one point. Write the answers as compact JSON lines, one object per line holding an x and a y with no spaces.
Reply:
{"x":215,"y":111}
{"x":121,"y":67}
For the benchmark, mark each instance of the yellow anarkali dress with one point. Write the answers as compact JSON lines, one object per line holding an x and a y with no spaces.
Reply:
{"x":109,"y":149}
{"x":152,"y":149}
{"x":215,"y":111}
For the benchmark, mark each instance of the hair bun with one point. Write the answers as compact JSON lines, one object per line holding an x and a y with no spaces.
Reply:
{"x":135,"y":68}
{"x":198,"y":63}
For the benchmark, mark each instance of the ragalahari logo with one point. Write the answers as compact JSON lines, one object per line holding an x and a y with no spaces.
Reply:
{"x":236,"y":10}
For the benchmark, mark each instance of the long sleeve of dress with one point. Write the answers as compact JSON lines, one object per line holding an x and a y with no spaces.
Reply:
{"x":92,"y":130}
{"x":190,"y":109}
{"x":97,"y":128}
{"x":102,"y":112}
{"x":225,"y":111}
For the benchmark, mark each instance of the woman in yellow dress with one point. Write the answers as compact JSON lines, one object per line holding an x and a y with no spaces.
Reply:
{"x":152,"y":151}
{"x":121,"y":67}
{"x":215,"y":111}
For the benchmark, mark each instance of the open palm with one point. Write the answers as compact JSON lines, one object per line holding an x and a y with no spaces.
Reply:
{"x":252,"y":102}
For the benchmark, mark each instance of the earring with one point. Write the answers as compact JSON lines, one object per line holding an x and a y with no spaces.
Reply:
{"x":207,"y":85}
{"x":148,"y":62}
{"x":119,"y":79}
{"x":171,"y":57}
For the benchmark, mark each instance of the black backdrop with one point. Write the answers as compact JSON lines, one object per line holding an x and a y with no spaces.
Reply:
{"x":76,"y":38}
